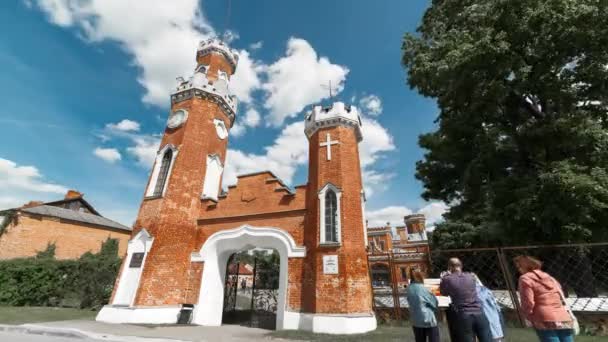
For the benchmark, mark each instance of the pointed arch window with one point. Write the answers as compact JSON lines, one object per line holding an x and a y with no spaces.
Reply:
{"x":329,"y":205}
{"x":331,"y":219}
{"x":161,"y":171}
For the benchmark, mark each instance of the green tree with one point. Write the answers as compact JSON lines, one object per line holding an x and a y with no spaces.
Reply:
{"x":521,"y":147}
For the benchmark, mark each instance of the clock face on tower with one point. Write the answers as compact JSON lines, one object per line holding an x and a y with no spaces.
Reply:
{"x":177,"y":118}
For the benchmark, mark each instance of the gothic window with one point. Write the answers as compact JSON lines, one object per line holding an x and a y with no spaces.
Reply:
{"x":331,"y":219}
{"x":163,"y":173}
{"x":329,"y":210}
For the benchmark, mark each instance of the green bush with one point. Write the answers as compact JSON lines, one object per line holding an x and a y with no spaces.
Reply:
{"x":45,"y":281}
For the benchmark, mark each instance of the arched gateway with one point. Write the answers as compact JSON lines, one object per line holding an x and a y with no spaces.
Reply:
{"x":215,"y":252}
{"x":187,"y":226}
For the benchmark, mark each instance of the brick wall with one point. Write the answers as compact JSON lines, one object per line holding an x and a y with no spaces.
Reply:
{"x":29,"y":234}
{"x":349,"y":291}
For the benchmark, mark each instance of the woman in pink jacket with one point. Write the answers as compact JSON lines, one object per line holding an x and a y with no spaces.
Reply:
{"x":541,"y":302}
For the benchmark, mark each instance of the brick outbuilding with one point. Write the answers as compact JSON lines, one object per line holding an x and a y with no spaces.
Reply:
{"x":71,"y":224}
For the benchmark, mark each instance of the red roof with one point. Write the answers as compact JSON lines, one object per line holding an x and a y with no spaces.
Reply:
{"x":244,"y":269}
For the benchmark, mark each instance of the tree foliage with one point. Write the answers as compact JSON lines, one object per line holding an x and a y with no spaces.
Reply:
{"x":521,"y":148}
{"x":45,"y":281}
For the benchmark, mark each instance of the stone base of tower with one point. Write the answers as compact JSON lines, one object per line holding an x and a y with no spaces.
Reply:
{"x":343,"y":324}
{"x":139,"y":315}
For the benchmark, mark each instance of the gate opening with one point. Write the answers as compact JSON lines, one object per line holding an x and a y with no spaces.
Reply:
{"x":251,"y":288}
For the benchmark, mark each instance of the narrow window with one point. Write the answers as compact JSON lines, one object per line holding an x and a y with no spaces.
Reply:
{"x":162,"y":174}
{"x":331,"y":217}
{"x":382,"y":245}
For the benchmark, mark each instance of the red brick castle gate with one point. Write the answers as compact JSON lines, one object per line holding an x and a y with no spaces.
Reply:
{"x":187,"y":227}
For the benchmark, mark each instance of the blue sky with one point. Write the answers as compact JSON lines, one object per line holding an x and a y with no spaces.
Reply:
{"x":86,"y":93}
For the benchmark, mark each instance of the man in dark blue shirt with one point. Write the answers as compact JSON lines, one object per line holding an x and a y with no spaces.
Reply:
{"x":460,"y":286}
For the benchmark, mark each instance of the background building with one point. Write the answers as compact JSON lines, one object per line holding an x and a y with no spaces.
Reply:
{"x":71,"y":224}
{"x":399,"y":250}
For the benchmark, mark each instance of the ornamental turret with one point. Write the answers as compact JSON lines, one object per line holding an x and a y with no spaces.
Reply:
{"x":335,"y":232}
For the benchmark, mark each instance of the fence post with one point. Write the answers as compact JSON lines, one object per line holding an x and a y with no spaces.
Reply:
{"x":394,"y":285}
{"x":506,"y":272}
{"x":371,"y":285}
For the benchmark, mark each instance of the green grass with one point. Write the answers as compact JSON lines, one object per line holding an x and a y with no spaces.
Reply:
{"x":403,"y":333}
{"x":35,"y":314}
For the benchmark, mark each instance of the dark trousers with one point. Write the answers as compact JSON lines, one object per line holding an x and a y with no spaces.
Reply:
{"x":426,"y":334}
{"x":452,"y":319}
{"x":472,"y":325}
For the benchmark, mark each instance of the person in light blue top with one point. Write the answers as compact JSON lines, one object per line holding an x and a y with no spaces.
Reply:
{"x":423,"y":306}
{"x":491,"y":310}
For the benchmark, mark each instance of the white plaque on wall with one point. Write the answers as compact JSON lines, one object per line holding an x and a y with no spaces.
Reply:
{"x":330,"y":264}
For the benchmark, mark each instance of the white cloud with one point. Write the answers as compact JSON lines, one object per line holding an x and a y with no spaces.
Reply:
{"x":252,"y":118}
{"x":256,"y":46}
{"x":249,"y":120}
{"x":375,"y":181}
{"x":394,"y":215}
{"x":20,"y":184}
{"x":159,"y":35}
{"x":111,"y":155}
{"x":433,"y":213}
{"x":145,"y":149}
{"x":289,"y":151}
{"x":125,"y":125}
{"x":246,"y":78}
{"x":237,"y":130}
{"x":376,"y":140}
{"x":296,"y":80}
{"x":371,"y":104}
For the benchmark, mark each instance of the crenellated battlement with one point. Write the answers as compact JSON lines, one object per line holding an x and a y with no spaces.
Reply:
{"x":199,"y":85}
{"x":337,"y":114}
{"x":208,"y":46}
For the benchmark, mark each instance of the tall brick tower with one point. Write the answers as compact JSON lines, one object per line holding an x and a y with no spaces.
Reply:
{"x":188,"y":169}
{"x":336,"y":279}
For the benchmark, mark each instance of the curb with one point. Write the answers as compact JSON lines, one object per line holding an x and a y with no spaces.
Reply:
{"x":33,"y":329}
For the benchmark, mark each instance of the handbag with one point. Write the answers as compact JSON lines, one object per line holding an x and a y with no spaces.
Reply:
{"x":575,"y":326}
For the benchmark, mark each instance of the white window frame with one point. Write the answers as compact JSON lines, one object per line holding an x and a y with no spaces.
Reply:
{"x":156,"y":169}
{"x":212,"y":193}
{"x":322,"y":193}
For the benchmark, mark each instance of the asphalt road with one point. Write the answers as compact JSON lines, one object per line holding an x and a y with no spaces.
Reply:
{"x":11,"y":337}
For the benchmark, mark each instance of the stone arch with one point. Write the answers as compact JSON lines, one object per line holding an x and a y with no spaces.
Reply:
{"x":215,"y":252}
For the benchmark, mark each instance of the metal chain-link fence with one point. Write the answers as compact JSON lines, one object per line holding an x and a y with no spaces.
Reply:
{"x":581,"y":269}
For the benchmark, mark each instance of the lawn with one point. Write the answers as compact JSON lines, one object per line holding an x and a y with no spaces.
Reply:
{"x":402,"y":333}
{"x":34,"y":314}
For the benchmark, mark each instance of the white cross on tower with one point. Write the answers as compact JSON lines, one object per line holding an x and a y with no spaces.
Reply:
{"x":328,"y":143}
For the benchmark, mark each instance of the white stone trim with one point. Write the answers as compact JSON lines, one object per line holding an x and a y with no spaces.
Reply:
{"x":156,"y":169}
{"x":128,"y":285}
{"x":337,"y":114}
{"x":363,"y":215}
{"x":215,"y":253}
{"x":139,"y":315}
{"x":329,"y":323}
{"x":322,"y":193}
{"x":224,"y":131}
{"x":213,"y":175}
